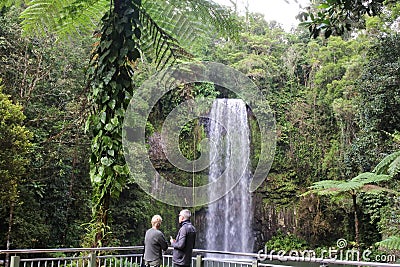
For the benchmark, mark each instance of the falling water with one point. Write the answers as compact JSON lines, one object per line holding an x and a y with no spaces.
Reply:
{"x":229,"y":218}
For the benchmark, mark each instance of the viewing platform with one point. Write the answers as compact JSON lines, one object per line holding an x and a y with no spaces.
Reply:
{"x":132,"y":257}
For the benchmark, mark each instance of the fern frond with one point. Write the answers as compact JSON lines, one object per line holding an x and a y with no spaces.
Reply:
{"x":325,"y":184}
{"x":173,"y":22}
{"x":347,"y":186}
{"x":83,"y":18}
{"x":158,"y":43}
{"x":370,"y":177}
{"x":325,"y":187}
{"x":392,"y":242}
{"x":65,"y":17}
{"x":216,"y":16}
{"x":191,"y":19}
{"x":361,"y":182}
{"x":40,"y":16}
{"x":188,"y":21}
{"x":389,"y":164}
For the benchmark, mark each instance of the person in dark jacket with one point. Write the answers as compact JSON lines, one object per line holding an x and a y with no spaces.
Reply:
{"x":154,"y":243}
{"x":185,"y":239}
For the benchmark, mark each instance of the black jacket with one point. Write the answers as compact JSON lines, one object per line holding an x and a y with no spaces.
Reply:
{"x":184,"y":244}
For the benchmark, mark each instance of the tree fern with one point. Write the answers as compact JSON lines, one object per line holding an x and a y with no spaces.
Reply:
{"x":62,"y":17}
{"x":358,"y":183}
{"x":389,"y":165}
{"x":392,"y":242}
{"x":191,"y":19}
{"x":158,"y":43}
{"x":186,"y":19}
{"x":324,"y":187}
{"x":364,"y":182}
{"x":82,"y":18}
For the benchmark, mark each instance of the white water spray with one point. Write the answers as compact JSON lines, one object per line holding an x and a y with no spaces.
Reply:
{"x":229,"y":219}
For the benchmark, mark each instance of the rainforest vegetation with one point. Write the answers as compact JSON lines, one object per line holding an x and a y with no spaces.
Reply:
{"x":334,"y":87}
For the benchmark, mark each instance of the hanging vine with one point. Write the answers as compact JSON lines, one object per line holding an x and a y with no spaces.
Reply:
{"x":113,"y":60}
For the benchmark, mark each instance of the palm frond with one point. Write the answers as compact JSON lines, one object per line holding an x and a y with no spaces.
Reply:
{"x":392,"y":242}
{"x":389,"y":164}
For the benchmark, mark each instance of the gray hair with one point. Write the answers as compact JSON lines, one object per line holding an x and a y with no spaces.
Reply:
{"x":156,"y":220}
{"x":186,"y":214}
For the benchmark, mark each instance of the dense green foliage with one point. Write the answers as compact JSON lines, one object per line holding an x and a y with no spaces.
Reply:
{"x":336,"y":106}
{"x":286,"y":243}
{"x":341,"y":17}
{"x":46,"y":79}
{"x":14,"y":141}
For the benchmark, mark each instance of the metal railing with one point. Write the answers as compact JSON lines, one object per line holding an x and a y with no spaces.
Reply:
{"x":132,"y":257}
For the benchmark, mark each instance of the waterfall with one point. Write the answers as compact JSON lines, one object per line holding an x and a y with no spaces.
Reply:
{"x":229,"y":218}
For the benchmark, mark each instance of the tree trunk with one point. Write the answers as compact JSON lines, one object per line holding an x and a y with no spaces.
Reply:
{"x":356,"y":230}
{"x":10,"y":222}
{"x":103,"y":220}
{"x":117,"y":5}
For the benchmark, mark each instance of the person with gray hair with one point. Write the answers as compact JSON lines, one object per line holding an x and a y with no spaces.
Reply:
{"x":154,"y":243}
{"x":184,"y":242}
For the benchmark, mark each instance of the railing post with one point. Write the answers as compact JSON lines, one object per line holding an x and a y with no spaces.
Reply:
{"x":254,"y":263}
{"x":15,"y":260}
{"x":199,"y":261}
{"x":92,"y":260}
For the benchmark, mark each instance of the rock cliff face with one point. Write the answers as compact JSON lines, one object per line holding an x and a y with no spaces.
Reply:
{"x":200,"y":221}
{"x":156,"y":152}
{"x":269,"y":218}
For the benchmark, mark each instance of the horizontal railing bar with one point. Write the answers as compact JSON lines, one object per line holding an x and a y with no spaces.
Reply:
{"x":251,"y":256}
{"x":254,"y":255}
{"x":57,"y":259}
{"x":227,"y":261}
{"x":273,"y":265}
{"x":119,"y":255}
{"x":50,"y":250}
